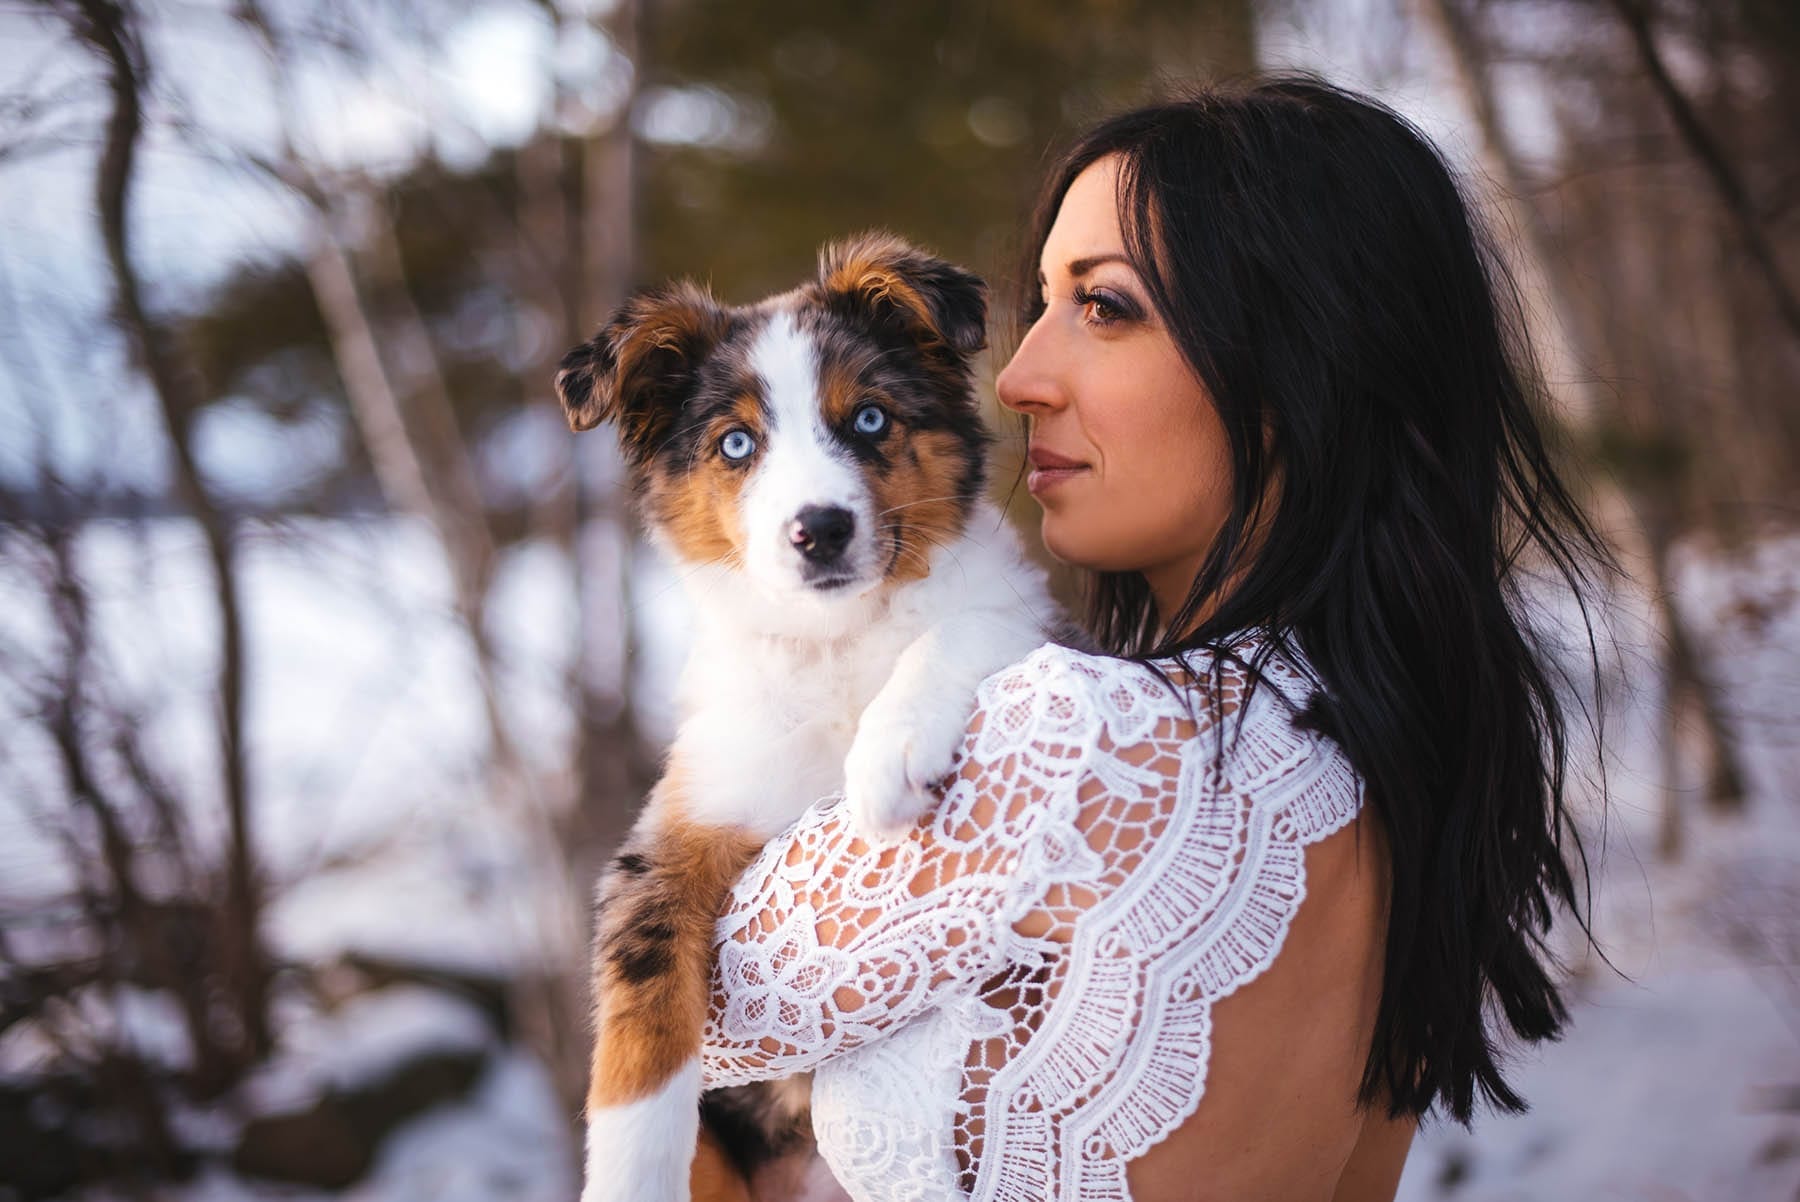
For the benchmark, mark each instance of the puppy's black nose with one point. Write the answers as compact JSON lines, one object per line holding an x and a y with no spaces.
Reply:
{"x":821,"y":532}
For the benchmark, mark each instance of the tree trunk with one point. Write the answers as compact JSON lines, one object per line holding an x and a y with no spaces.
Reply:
{"x":611,"y":766}
{"x":421,"y":462}
{"x":1546,"y":273}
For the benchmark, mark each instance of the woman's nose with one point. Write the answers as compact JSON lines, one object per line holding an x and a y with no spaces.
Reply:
{"x":1028,"y":382}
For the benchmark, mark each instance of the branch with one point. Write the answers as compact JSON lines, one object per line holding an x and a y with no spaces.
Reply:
{"x":1713,"y":162}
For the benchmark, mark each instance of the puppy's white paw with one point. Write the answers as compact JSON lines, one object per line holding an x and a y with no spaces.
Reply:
{"x":898,"y":754}
{"x":642,"y":1151}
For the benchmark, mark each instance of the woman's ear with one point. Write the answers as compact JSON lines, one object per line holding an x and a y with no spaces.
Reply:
{"x":884,"y":281}
{"x":642,"y":366}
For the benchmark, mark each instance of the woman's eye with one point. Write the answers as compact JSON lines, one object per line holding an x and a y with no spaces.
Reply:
{"x":737,"y":445}
{"x":1103,"y":307}
{"x":870,"y":420}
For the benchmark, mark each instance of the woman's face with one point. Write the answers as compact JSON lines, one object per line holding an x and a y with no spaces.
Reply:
{"x":1128,"y":458}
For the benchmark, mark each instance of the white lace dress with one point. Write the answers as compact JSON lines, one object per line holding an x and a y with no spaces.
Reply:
{"x":1015,"y":1002}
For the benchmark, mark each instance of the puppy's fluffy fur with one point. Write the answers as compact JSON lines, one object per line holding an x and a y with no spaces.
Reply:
{"x":815,"y":463}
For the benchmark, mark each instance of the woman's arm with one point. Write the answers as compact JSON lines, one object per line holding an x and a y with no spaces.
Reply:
{"x":829,"y":940}
{"x":1063,"y":784}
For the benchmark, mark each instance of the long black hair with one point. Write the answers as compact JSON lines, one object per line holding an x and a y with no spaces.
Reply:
{"x":1365,"y":349}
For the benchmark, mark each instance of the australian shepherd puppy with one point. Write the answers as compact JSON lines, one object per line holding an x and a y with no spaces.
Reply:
{"x":815,"y":465}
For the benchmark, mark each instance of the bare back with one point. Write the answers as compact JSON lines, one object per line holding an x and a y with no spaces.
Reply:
{"x":1279,"y":1118}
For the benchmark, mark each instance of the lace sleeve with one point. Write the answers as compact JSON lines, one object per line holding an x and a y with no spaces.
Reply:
{"x":827,"y":941}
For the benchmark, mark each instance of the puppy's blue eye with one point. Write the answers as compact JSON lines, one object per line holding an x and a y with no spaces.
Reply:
{"x":871,"y":420}
{"x":737,"y":445}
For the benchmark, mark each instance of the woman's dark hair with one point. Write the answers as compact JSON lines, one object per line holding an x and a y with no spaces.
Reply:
{"x":1365,"y":348}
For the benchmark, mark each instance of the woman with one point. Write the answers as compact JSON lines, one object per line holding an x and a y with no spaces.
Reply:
{"x":1281,"y":411}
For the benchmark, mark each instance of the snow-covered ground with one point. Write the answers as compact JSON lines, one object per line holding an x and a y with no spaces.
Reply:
{"x":367,"y":747}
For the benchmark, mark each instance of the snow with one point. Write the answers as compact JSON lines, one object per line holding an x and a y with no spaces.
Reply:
{"x":510,"y":1142}
{"x":1652,"y":1095}
{"x":367,"y":749}
{"x":361,"y":1041}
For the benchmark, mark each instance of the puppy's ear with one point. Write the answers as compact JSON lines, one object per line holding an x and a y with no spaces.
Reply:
{"x":886,"y":281}
{"x":642,"y":365}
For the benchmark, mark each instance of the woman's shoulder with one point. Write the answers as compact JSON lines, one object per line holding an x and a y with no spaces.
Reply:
{"x":1227,"y":728}
{"x":1243,"y":681}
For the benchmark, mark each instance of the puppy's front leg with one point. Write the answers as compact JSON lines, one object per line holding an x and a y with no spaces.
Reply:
{"x":652,"y":981}
{"x":910,"y":732}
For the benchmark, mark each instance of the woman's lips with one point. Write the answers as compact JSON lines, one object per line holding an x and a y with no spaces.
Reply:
{"x":1048,"y":469}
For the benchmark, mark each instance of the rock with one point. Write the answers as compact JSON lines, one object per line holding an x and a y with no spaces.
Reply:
{"x":332,"y":1143}
{"x":36,"y":1160}
{"x":318,"y":1147}
{"x":412,"y":1087}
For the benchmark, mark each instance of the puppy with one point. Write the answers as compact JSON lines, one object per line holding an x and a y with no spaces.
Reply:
{"x":815,"y":464}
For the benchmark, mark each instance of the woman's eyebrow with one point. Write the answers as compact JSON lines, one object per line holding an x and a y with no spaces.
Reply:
{"x":1080,"y":267}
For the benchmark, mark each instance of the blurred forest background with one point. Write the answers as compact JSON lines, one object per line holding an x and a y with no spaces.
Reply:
{"x":330,"y":664}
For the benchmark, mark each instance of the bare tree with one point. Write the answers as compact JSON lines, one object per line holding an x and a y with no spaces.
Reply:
{"x":111,"y":29}
{"x":143,"y":913}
